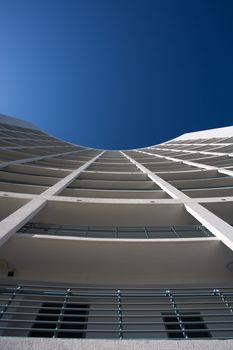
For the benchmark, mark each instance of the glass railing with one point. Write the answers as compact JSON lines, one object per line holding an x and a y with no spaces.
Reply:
{"x":207,"y":188}
{"x":150,"y":232}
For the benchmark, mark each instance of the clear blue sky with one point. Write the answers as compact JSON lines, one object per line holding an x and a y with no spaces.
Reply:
{"x":117,"y":74}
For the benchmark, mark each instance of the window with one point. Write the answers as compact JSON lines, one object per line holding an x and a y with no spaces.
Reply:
{"x":189,"y":321}
{"x":49,"y":315}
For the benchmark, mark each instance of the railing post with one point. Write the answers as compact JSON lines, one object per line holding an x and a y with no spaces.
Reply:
{"x":223,"y":298}
{"x":60,"y":317}
{"x":175,"y":232}
{"x":9,"y":301}
{"x":119,"y":311}
{"x":176,"y":311}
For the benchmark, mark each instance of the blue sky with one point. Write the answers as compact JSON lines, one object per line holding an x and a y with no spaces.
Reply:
{"x":117,"y":74}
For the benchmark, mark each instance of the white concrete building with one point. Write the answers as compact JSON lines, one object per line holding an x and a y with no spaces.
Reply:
{"x":115,"y":249}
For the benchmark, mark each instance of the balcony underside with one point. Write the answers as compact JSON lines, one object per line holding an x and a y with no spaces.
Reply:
{"x":121,"y":261}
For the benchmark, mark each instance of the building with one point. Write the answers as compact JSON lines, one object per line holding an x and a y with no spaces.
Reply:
{"x":115,"y":249}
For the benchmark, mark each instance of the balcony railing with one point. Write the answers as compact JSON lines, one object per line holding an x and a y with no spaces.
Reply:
{"x":123,"y":313}
{"x":157,"y":232}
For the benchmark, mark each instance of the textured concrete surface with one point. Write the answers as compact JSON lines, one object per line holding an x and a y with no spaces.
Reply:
{"x":8,"y":343}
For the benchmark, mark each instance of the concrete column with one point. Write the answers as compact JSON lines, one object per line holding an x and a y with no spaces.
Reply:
{"x":15,"y":221}
{"x":212,"y":222}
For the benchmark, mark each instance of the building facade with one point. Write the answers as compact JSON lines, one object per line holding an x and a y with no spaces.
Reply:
{"x":115,"y":249}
